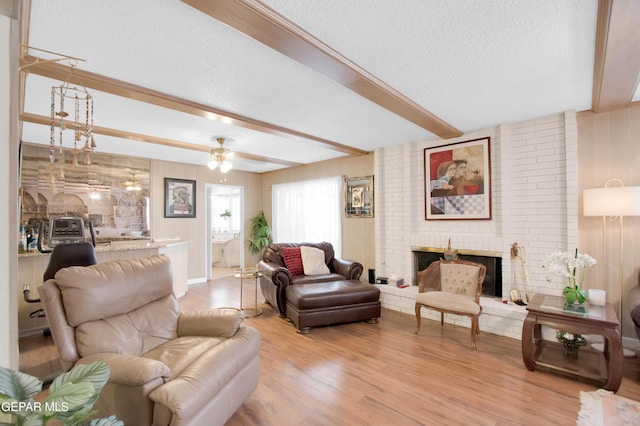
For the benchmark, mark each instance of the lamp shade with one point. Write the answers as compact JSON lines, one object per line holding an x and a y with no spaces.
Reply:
{"x":612,"y":201}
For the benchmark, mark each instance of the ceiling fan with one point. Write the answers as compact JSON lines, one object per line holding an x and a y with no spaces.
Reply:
{"x":220,"y":157}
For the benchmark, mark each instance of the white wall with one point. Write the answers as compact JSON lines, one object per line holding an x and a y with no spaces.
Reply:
{"x":8,"y":195}
{"x":610,"y":148}
{"x":534,"y":197}
{"x":194,"y":230}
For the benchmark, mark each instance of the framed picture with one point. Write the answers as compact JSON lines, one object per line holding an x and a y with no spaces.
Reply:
{"x":358,"y":200}
{"x":457,"y":181}
{"x":179,"y":198}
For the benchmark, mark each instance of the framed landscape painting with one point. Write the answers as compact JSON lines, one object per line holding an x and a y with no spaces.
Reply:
{"x":457,"y":180}
{"x":179,"y":198}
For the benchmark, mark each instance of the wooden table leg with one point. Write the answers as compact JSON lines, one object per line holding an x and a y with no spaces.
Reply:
{"x":615,"y":359}
{"x":528,"y":330}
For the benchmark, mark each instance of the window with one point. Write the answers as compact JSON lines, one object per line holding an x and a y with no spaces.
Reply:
{"x":226,"y":211}
{"x":308,"y":211}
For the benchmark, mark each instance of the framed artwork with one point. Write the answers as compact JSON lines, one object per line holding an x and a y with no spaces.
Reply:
{"x":457,"y":180}
{"x":179,"y":198}
{"x":358,"y":200}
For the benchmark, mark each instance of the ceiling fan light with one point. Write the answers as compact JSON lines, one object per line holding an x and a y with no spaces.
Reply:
{"x":212,"y":164}
{"x":225,"y":166}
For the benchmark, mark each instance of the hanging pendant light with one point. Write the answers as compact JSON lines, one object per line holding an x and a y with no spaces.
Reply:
{"x":133,"y":184}
{"x":219,"y":157}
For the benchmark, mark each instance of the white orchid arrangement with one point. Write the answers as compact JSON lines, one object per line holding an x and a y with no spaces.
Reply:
{"x":570,"y":267}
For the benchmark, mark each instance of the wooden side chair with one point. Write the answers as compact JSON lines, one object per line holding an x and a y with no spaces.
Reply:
{"x":452,"y":286}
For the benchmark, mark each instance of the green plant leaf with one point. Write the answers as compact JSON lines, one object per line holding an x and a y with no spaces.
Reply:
{"x":109,"y":421}
{"x":79,"y":413}
{"x":69,"y":395}
{"x":261,"y":234}
{"x":33,"y":419}
{"x":96,"y":373}
{"x":77,"y":417}
{"x":17,"y":385}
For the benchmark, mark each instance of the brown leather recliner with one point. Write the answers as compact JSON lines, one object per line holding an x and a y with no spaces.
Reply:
{"x":276,"y":277}
{"x":167,"y":368}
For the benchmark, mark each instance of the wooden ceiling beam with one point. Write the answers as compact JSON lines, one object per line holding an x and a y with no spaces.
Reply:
{"x":121,"y":88}
{"x":268,"y":27}
{"x":617,"y":58}
{"x":138,"y":137}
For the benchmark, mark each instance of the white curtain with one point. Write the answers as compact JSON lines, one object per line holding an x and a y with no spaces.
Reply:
{"x":308,"y":211}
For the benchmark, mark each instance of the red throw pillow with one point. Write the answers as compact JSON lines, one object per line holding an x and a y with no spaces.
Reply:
{"x":293,"y":260}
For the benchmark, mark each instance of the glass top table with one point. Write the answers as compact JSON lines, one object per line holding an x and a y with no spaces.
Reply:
{"x":249,"y":273}
{"x":553,"y":312}
{"x":558,"y":304}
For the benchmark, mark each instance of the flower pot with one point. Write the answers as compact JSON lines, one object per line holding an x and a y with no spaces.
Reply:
{"x":570,"y":295}
{"x":574,"y":294}
{"x":571,"y":351}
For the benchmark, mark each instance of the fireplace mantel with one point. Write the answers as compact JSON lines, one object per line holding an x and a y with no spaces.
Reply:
{"x":460,"y":251}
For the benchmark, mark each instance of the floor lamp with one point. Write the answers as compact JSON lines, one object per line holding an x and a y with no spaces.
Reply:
{"x":613,"y":202}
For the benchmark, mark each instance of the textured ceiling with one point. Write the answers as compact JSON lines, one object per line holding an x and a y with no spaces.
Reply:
{"x":473,"y":64}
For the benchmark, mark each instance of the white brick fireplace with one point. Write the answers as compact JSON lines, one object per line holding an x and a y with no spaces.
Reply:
{"x":534,"y":200}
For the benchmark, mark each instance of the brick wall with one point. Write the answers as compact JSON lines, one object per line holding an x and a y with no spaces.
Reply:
{"x":534,"y":195}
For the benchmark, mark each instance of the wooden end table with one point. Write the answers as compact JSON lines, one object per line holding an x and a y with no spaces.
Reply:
{"x":548,"y":310}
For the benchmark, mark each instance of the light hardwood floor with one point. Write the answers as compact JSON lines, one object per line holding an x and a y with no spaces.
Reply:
{"x":381,"y":374}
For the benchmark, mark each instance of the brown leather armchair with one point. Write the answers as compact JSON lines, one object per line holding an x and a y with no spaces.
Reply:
{"x":276,"y":277}
{"x":167,"y":368}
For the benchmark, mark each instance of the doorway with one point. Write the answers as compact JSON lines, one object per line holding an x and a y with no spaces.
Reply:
{"x":224,"y":229}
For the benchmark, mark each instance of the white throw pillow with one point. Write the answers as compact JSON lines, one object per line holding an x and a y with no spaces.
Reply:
{"x":313,"y":261}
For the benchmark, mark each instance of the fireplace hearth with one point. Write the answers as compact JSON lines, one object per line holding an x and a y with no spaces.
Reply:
{"x":492,"y":286}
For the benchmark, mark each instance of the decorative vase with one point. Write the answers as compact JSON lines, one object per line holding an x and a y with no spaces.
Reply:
{"x":581,"y":295}
{"x":571,"y":351}
{"x":574,"y":294}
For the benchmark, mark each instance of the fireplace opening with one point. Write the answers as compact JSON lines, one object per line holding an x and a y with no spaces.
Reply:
{"x":492,"y":285}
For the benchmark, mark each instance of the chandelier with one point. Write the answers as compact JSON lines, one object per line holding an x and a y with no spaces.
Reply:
{"x":72,"y":103}
{"x":132,"y":184}
{"x":219,"y":157}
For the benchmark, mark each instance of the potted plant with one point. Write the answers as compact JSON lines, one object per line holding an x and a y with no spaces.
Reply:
{"x":571,"y":343}
{"x":70,"y":400}
{"x":572,"y":268}
{"x":261,"y":235}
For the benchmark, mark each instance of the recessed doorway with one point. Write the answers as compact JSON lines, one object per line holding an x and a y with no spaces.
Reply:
{"x":225,"y":229}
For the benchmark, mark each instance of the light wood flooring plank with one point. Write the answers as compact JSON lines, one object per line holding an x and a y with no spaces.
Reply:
{"x":382,"y":374}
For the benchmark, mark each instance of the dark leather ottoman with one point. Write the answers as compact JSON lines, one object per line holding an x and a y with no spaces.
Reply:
{"x":333,"y":302}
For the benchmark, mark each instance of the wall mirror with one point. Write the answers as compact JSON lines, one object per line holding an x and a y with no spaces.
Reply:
{"x":111,"y":191}
{"x":358,"y":196}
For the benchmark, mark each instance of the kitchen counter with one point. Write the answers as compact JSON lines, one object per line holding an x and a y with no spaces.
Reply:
{"x":31,"y":267}
{"x":123,"y":246}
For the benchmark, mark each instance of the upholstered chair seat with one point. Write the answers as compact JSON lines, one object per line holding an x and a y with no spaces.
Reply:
{"x":443,"y":300}
{"x":451,"y":286}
